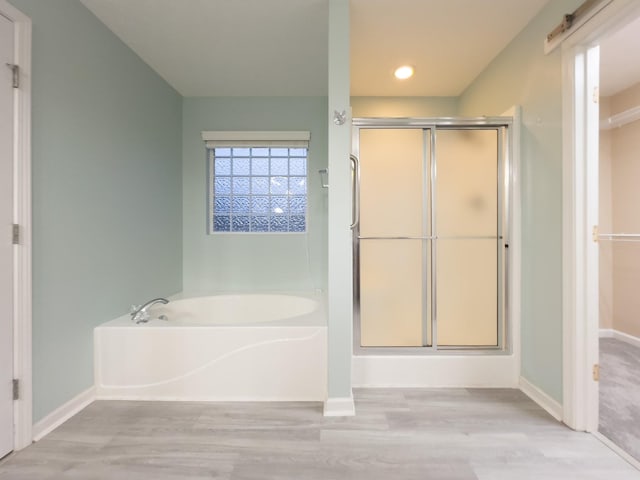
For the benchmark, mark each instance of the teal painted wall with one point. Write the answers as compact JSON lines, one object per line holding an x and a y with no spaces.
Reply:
{"x":340,"y":270}
{"x":252,"y":262}
{"x":107,"y":191}
{"x":523,"y":75}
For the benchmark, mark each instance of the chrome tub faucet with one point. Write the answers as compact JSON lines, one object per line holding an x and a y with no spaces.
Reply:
{"x":140,"y":313}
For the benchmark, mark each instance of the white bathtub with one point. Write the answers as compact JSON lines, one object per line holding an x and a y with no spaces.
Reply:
{"x":220,"y":347}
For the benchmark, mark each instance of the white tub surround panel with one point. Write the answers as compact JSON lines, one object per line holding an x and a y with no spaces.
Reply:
{"x":150,"y":362}
{"x":221,"y":347}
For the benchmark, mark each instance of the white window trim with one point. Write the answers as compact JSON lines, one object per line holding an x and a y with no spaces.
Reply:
{"x":252,"y":139}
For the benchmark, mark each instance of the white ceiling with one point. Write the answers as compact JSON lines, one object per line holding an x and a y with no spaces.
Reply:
{"x":449,"y":42}
{"x":226,"y":47}
{"x":279,"y":47}
{"x":619,"y":65}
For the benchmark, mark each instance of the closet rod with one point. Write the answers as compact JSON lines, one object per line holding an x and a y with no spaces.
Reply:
{"x":621,"y":119}
{"x":619,"y":237}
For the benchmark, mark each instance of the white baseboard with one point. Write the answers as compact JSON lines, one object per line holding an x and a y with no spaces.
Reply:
{"x":339,"y":407}
{"x":545,"y":401}
{"x":606,"y":332}
{"x":618,"y":335}
{"x":620,"y":452}
{"x":63,"y":413}
{"x":116,"y":394}
{"x":625,"y":337}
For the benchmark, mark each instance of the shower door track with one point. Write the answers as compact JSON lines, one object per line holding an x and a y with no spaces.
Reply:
{"x":504,"y":343}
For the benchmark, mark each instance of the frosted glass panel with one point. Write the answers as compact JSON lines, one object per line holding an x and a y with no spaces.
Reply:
{"x":395,"y":274}
{"x":391,"y":286}
{"x":467,"y":294}
{"x":392,"y":182}
{"x":466,"y":187}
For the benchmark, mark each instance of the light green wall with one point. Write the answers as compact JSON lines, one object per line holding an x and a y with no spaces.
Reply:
{"x":404,"y":106}
{"x":252,"y":262}
{"x":340,"y":318}
{"x":106,"y":191}
{"x":523,"y":75}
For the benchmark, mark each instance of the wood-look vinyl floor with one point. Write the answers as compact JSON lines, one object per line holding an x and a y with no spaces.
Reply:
{"x":404,"y":434}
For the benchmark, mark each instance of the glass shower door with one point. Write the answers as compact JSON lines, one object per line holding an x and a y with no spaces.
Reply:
{"x":430,"y":254}
{"x":393,"y":238}
{"x":467,"y":229}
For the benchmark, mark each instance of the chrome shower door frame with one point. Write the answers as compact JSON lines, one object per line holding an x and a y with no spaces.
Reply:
{"x":430,"y":127}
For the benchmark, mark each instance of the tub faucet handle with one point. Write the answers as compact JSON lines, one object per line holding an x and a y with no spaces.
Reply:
{"x":140,"y":314}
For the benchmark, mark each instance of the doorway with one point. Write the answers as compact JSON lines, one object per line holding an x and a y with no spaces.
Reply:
{"x":619,"y":239}
{"x":430,"y":235}
{"x":582,"y":236}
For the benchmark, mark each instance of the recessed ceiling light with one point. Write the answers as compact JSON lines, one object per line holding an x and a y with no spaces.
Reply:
{"x":404,"y":72}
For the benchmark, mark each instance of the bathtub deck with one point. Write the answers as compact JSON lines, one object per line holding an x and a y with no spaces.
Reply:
{"x":403,"y":434}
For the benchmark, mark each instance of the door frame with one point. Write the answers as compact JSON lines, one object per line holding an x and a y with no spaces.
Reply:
{"x":22,"y":280}
{"x":580,"y":68}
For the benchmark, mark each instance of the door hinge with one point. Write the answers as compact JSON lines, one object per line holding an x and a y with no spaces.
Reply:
{"x":15,"y":234}
{"x":16,"y":389}
{"x":596,"y":94}
{"x":596,"y":373}
{"x":15,"y":70}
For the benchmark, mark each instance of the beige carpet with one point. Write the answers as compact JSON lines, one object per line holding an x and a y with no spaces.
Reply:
{"x":620,"y":394}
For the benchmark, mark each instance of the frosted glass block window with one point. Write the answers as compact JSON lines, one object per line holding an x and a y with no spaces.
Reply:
{"x":257,"y":189}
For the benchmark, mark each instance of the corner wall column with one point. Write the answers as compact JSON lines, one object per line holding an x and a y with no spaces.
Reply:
{"x":340,"y":278}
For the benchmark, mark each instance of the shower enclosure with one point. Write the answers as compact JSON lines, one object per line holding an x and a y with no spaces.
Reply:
{"x":430,"y":230}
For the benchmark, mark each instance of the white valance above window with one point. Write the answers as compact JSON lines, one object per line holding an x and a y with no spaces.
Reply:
{"x":256,"y":139}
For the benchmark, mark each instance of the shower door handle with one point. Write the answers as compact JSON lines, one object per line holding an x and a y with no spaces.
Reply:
{"x":355,"y":212}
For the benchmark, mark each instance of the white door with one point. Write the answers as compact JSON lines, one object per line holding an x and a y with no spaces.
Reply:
{"x":6,"y":248}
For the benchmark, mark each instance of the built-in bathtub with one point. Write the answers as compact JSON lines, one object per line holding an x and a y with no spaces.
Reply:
{"x":219,"y":347}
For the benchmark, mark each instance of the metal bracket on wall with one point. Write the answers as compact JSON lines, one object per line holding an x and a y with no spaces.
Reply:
{"x":569,"y":19}
{"x":15,"y":234}
{"x":15,"y":75}
{"x":16,"y":389}
{"x":324,"y":177}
